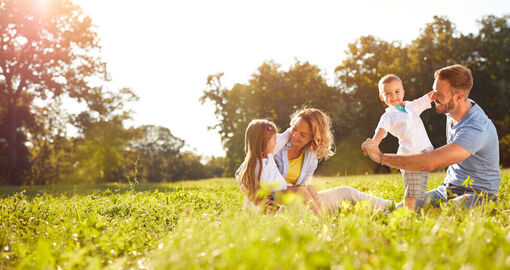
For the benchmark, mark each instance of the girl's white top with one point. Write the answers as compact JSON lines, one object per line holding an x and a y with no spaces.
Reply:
{"x":270,"y":176}
{"x":408,"y":127}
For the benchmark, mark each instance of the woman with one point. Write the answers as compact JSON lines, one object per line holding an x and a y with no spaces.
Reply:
{"x":311,"y":140}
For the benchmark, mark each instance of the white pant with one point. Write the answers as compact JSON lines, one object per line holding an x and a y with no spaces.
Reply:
{"x":332,"y":198}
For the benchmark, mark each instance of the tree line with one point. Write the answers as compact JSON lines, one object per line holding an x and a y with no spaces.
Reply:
{"x":50,"y":56}
{"x":353,"y":102}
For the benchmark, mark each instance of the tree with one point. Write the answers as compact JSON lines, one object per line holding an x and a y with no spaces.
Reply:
{"x":50,"y":147}
{"x":162,"y":158}
{"x":159,"y":153}
{"x":103,"y":152}
{"x":25,"y":119}
{"x":47,"y":48}
{"x":368,"y":59}
{"x":270,"y":93}
{"x":215,"y":167}
{"x":104,"y":155}
{"x":491,"y":68}
{"x":438,"y":45}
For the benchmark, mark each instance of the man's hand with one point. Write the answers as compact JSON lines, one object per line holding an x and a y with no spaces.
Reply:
{"x":371,"y":150}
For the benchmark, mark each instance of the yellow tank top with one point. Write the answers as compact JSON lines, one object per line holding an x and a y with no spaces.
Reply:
{"x":294,"y":169}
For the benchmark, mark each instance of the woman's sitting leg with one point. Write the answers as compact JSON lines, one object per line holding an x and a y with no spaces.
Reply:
{"x":332,"y":198}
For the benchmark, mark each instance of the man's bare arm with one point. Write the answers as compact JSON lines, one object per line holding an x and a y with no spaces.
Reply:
{"x":439,"y":158}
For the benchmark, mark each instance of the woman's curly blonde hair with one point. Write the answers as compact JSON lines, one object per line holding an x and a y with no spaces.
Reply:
{"x":322,"y":142}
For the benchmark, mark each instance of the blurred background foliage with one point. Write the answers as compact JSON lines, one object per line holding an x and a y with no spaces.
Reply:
{"x":51,"y":58}
{"x":352,"y":101}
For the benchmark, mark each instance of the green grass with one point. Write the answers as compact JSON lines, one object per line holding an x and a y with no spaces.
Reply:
{"x":200,"y":224}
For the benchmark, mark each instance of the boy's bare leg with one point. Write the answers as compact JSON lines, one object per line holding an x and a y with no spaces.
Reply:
{"x":410,"y":202}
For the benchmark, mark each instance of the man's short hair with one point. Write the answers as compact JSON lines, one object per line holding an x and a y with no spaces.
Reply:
{"x":458,"y":76}
{"x":387,"y":79}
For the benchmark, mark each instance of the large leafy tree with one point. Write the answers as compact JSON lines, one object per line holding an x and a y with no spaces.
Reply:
{"x":47,"y":49}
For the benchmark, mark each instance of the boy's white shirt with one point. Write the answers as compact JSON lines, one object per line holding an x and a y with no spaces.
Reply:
{"x":270,"y":175}
{"x":408,"y":127}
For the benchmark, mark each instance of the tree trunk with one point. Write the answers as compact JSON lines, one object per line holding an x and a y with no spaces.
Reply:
{"x":12,"y":149}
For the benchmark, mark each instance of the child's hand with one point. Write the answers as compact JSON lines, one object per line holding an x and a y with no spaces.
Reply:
{"x":364,"y":146}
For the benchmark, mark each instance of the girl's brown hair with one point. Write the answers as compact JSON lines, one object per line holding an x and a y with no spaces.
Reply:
{"x":258,"y":133}
{"x":322,"y":142}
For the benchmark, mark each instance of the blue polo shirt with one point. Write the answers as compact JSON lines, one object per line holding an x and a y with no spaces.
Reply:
{"x":477,"y":134}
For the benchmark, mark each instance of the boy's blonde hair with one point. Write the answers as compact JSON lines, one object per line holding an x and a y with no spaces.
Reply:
{"x":322,"y":142}
{"x":387,"y":79}
{"x":258,"y":133}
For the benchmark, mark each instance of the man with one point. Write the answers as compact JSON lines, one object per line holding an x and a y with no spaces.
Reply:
{"x":471,"y":152}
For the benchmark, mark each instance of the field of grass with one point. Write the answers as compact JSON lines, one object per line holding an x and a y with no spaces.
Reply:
{"x":200,"y":224}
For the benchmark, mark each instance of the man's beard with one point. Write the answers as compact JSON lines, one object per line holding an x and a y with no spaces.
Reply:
{"x":445,"y":108}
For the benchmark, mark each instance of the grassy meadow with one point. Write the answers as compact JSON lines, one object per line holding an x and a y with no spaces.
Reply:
{"x":200,"y":224}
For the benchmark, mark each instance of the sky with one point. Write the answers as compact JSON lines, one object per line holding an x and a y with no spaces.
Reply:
{"x":164,"y":50}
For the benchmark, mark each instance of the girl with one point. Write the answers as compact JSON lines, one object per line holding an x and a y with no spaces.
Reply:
{"x":259,"y":166}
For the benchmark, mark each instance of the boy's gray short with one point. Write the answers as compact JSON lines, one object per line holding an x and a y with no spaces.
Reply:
{"x":415,"y":184}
